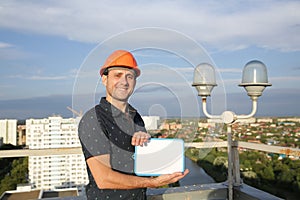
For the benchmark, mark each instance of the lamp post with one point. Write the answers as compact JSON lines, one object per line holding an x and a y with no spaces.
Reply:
{"x":254,"y":80}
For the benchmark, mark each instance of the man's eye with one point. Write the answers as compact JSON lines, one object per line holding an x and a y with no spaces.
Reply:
{"x":118,"y":75}
{"x":130,"y":77}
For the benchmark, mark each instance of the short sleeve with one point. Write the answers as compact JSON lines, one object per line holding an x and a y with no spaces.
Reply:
{"x":139,"y":123}
{"x":92,"y":138}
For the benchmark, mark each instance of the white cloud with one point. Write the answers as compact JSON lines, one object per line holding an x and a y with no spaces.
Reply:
{"x":11,"y":53}
{"x":226,"y":25}
{"x":40,"y":77}
{"x":4,"y":45}
{"x":50,"y":78}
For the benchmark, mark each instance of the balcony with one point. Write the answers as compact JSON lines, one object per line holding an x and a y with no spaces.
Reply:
{"x":213,"y":191}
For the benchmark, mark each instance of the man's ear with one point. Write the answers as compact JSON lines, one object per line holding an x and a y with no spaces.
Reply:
{"x":104,"y":80}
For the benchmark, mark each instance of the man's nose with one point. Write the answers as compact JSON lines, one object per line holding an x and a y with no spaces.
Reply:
{"x":124,"y":80}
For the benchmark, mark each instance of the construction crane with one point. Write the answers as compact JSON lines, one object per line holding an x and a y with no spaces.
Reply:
{"x":78,"y":114}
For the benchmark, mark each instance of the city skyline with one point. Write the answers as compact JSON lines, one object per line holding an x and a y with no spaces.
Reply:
{"x":44,"y":45}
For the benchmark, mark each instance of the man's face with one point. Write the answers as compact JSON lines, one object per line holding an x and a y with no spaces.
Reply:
{"x":119,"y":84}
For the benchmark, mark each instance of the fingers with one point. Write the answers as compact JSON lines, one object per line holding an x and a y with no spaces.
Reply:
{"x":169,"y":178}
{"x":186,"y":171}
{"x":178,"y":175}
{"x":140,"y":138}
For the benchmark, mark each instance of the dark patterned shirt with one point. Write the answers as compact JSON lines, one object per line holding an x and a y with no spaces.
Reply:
{"x":102,"y":130}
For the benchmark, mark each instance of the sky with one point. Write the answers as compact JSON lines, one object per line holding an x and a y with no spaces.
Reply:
{"x":51,"y":52}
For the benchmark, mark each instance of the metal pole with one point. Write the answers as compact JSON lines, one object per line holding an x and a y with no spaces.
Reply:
{"x":229,"y":149}
{"x":236,"y":165}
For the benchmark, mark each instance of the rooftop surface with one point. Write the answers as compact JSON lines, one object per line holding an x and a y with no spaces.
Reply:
{"x":214,"y":191}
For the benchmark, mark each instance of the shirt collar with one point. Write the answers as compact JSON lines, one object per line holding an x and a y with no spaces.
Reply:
{"x":115,"y":111}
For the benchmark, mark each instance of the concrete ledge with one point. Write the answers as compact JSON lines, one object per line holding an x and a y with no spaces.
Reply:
{"x":214,"y":191}
{"x":246,"y":191}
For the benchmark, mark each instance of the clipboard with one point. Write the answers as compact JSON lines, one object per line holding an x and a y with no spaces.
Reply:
{"x":159,"y":156}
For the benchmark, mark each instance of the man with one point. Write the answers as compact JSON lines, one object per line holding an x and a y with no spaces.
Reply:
{"x":109,"y":131}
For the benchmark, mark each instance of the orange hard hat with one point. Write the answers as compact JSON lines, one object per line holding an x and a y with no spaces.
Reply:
{"x":120,"y":58}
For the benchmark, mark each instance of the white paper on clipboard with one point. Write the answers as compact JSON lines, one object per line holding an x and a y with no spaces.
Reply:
{"x":159,"y":156}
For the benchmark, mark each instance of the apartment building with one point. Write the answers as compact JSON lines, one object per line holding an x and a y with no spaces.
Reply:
{"x":151,"y":122}
{"x":52,"y":172}
{"x":8,"y":131}
{"x":21,"y":129}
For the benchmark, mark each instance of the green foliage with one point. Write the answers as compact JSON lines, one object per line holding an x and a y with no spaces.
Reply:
{"x":279,"y":177}
{"x":268,"y":174}
{"x":198,"y":140}
{"x":6,"y":163}
{"x":210,"y":158}
{"x":249,"y":175}
{"x":220,"y":162}
{"x":285,"y":175}
{"x":17,"y":175}
{"x":9,"y":146}
{"x":13,"y":171}
{"x":206,"y":157}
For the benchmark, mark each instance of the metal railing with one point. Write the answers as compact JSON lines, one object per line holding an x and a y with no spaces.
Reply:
{"x":206,"y":191}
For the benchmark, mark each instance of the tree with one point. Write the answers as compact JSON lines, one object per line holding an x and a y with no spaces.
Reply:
{"x":285,"y":176}
{"x":268,"y":174}
{"x":17,"y":175}
{"x":220,"y":162}
{"x":250,"y":175}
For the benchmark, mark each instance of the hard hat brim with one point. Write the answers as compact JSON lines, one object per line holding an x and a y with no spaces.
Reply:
{"x":104,"y":71}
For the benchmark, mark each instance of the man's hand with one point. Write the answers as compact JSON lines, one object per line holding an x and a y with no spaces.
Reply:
{"x":166,"y":179}
{"x":140,"y":138}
